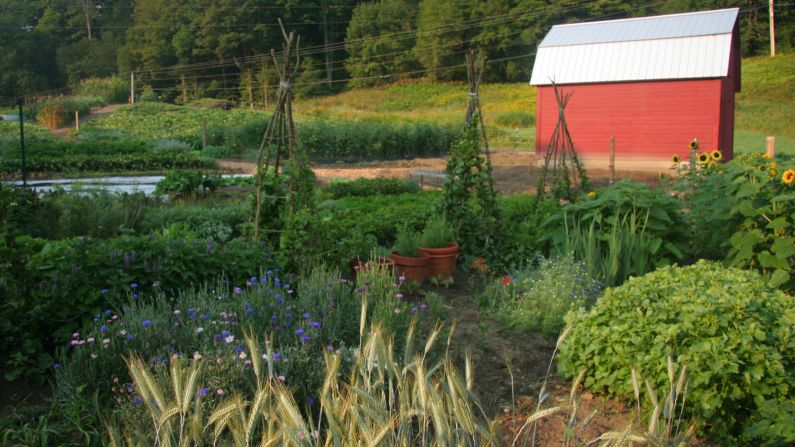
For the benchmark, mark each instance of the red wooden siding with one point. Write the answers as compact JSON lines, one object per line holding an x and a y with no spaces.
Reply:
{"x":648,"y":119}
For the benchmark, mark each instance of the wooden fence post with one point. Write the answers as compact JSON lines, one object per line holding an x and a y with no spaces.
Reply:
{"x":771,"y":146}
{"x":204,"y":132}
{"x":612,"y":166}
{"x":77,"y":121}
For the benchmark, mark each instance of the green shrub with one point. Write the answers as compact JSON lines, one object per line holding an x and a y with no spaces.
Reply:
{"x":732,"y":330}
{"x":360,"y":187}
{"x":537,"y":299}
{"x":57,"y":111}
{"x":215,"y":152}
{"x":107,"y":163}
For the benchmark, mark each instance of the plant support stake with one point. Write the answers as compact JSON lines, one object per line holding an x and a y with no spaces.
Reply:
{"x":20,"y":101}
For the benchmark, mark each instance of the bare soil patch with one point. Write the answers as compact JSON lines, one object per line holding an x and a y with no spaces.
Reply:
{"x":514,"y":171}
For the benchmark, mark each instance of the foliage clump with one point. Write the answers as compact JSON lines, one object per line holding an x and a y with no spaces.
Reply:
{"x":732,"y":330}
{"x":537,"y":299}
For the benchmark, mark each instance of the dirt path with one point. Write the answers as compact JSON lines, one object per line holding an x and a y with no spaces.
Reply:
{"x":63,"y":132}
{"x":514,"y":171}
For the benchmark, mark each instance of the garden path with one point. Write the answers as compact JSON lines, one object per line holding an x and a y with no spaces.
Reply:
{"x":64,"y":132}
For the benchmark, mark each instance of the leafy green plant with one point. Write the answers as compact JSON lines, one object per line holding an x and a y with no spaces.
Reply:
{"x":538,"y":298}
{"x":112,"y":90}
{"x":362,"y":187}
{"x":407,"y":242}
{"x":732,"y":330}
{"x":626,"y":229}
{"x":437,"y":234}
{"x":180,"y":184}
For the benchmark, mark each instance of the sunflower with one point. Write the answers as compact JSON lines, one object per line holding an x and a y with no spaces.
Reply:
{"x":788,"y":177}
{"x":772,"y":172}
{"x":693,"y":144}
{"x":716,"y":155}
{"x":676,"y":159}
{"x":765,"y":155}
{"x":703,"y":158}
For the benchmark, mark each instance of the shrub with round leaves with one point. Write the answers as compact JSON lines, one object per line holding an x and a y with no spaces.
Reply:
{"x":732,"y":330}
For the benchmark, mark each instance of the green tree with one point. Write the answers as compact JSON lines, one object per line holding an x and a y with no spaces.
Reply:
{"x":379,"y":40}
{"x":442,"y":36}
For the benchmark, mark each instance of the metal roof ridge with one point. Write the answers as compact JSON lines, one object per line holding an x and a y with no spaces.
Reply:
{"x":628,"y":19}
{"x":633,"y":40}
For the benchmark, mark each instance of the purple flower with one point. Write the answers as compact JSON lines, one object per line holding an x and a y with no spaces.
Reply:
{"x":103,"y":328}
{"x":270,"y":272}
{"x":315,"y":324}
{"x":238,"y":350}
{"x":288,"y":315}
{"x":104,"y":291}
{"x":130,"y":337}
{"x":56,"y":366}
{"x":307,"y":315}
{"x":237,"y":291}
{"x":273,"y":317}
{"x":414,"y":310}
{"x":299,"y":332}
{"x":202,"y":392}
{"x":250,"y":310}
{"x":135,"y":296}
{"x":128,"y":387}
{"x":137,"y":400}
{"x":399,"y":296}
{"x":304,"y":338}
{"x":282,"y":378}
{"x":191,"y":310}
{"x":329,"y":348}
{"x":310,"y":400}
{"x":253,"y":279}
{"x":147,"y":323}
{"x":423,"y":306}
{"x":134,"y":286}
{"x":276,"y":356}
{"x":193,"y":317}
{"x":108,"y":312}
{"x":280,"y":299}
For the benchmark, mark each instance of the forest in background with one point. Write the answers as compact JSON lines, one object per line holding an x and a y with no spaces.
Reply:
{"x":186,"y":49}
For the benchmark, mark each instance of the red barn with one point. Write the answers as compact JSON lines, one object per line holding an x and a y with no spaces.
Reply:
{"x":653,"y":83}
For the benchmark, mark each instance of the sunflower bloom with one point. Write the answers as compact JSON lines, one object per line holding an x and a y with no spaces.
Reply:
{"x":693,"y":144}
{"x":676,"y":159}
{"x":765,"y":155}
{"x":716,"y":155}
{"x":772,"y":172}
{"x":788,"y":177}
{"x":703,"y":158}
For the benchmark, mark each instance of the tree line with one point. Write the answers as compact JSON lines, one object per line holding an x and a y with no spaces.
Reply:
{"x":181,"y":49}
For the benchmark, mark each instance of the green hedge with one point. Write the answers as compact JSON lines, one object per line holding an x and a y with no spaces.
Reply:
{"x":331,"y":141}
{"x":362,"y":187}
{"x":113,"y":163}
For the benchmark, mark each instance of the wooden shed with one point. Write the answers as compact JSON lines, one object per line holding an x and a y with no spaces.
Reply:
{"x":653,"y":83}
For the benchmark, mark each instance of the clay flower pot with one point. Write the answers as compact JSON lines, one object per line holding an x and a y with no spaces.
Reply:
{"x":442,"y":261}
{"x":410,"y":267}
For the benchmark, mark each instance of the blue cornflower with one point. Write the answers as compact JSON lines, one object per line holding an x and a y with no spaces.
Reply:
{"x":203,"y":392}
{"x":305,"y":338}
{"x":315,"y":324}
{"x":56,"y":366}
{"x":130,"y":337}
{"x":103,"y":328}
{"x":250,"y":310}
{"x":276,"y":356}
{"x":299,"y":331}
{"x":191,"y":310}
{"x":135,"y":296}
{"x":108,"y":312}
{"x":137,"y":400}
{"x":134,"y":286}
{"x":238,"y":350}
{"x":270,"y":272}
{"x":307,"y":315}
{"x":288,"y":315}
{"x":104,"y":291}
{"x":273,"y":317}
{"x":147,"y":323}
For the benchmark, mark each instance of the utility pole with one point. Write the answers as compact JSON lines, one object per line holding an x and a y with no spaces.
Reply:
{"x":772,"y":31}
{"x":132,"y":87}
{"x":21,"y":101}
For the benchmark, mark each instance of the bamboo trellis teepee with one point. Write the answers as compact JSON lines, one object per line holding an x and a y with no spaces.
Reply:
{"x":279,"y":139}
{"x":569,"y":178}
{"x":470,"y":202}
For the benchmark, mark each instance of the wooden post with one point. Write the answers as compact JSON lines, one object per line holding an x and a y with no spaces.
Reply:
{"x":77,"y":121}
{"x":612,"y":165}
{"x":771,"y":146}
{"x":204,"y":132}
{"x":132,"y":87}
{"x":772,"y":31}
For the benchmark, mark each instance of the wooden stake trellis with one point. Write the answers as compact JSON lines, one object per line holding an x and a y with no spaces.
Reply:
{"x":279,"y":138}
{"x":475,"y":76}
{"x":568,"y":172}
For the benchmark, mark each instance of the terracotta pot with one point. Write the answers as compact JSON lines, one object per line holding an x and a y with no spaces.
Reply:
{"x":357,"y":264}
{"x":410,"y":267}
{"x":442,"y":261}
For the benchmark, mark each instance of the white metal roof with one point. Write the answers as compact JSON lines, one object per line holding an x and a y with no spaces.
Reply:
{"x":678,"y":46}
